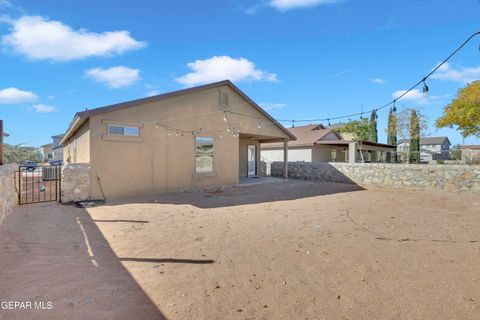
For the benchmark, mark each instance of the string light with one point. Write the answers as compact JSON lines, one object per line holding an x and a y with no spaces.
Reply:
{"x":259,"y":124}
{"x":392,"y":103}
{"x":425,"y":88}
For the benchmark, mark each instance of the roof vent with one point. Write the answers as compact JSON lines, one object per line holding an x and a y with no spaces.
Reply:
{"x":224,"y":99}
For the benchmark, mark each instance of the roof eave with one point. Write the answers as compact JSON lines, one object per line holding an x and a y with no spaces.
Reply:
{"x":74,"y":126}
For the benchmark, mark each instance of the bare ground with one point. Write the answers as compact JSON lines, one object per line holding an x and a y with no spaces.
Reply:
{"x":284,"y":250}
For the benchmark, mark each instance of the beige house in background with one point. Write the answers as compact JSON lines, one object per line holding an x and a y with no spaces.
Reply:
{"x":47,"y":152}
{"x":207,"y":135}
{"x":317,"y":143}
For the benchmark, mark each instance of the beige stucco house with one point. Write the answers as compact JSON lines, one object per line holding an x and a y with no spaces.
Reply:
{"x":207,"y":135}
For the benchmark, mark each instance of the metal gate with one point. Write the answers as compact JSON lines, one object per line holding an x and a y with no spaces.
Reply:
{"x":36,"y":184}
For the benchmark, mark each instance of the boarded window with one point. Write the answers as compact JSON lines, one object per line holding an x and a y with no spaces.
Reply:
{"x":204,"y":154}
{"x":123,"y":130}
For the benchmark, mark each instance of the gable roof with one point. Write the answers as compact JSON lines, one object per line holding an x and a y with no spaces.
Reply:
{"x":428,"y":140}
{"x":306,"y":136}
{"x":81,"y":117}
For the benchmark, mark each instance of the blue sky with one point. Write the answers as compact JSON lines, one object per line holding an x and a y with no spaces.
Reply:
{"x":298,"y":58}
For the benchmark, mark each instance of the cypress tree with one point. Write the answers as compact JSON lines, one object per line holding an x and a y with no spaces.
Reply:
{"x":372,"y":134}
{"x":414,"y":138}
{"x":392,"y":132}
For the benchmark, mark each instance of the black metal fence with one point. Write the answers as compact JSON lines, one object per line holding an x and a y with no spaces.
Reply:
{"x":36,"y":184}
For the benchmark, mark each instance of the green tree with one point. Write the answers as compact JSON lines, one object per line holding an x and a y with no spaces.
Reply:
{"x":463,"y":112}
{"x":373,"y":133}
{"x":17,"y":154}
{"x":392,"y":131}
{"x":414,"y":138}
{"x":359,"y":129}
{"x":404,"y":122}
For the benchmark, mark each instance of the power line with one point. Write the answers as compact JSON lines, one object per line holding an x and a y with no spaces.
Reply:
{"x":178,"y":131}
{"x":397,"y":98}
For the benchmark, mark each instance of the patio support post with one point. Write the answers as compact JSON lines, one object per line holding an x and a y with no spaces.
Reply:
{"x":352,"y":152}
{"x":285,"y":158}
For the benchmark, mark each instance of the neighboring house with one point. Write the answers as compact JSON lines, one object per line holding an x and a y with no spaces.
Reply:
{"x":47,"y":153}
{"x":201,"y":136}
{"x":316,"y":143}
{"x":57,"y":148}
{"x":431,"y":148}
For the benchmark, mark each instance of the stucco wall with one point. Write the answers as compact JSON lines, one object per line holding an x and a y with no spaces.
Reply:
{"x":294,"y":154}
{"x":77,"y":149}
{"x":75,"y":182}
{"x":156,"y":161}
{"x":403,"y":176}
{"x":8,"y":194}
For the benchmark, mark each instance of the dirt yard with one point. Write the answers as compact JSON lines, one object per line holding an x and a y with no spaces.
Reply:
{"x":283,"y":250}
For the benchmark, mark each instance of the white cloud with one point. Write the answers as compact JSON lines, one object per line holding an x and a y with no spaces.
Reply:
{"x":415,"y":96}
{"x":43,"y":108}
{"x":284,"y":5}
{"x":5,"y":3}
{"x":152,"y":93}
{"x":464,"y":75}
{"x":114,"y":77}
{"x":14,"y":95}
{"x":224,"y":67}
{"x":379,"y":81}
{"x":268,"y":106}
{"x":40,"y":39}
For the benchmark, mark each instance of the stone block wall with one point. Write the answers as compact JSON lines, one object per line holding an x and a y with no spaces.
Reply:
{"x":8,"y":193}
{"x":75,"y":182}
{"x":403,"y":176}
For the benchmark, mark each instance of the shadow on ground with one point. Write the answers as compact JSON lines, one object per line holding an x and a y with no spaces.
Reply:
{"x":273,"y":189}
{"x":56,"y":253}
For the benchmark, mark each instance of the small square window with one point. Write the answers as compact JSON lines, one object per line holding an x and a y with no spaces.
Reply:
{"x":123,"y":130}
{"x":130,"y":131}
{"x":115,"y":130}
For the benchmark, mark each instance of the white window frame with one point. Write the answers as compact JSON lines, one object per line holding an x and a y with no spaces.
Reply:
{"x":124,"y":130}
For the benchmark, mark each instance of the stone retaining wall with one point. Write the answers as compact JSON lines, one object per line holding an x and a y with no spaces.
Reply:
{"x":402,"y":176}
{"x":8,"y":193}
{"x":75,"y":182}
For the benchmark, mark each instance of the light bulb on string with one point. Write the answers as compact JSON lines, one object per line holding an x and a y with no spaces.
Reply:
{"x":157,"y":125}
{"x":259,"y":124}
{"x":425,"y":88}
{"x":225,"y":117}
{"x":176,"y":133}
{"x":228,"y":128}
{"x":169,"y":131}
{"x":394,"y":109}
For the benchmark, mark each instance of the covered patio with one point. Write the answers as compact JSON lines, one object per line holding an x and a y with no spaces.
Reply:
{"x":358,"y":151}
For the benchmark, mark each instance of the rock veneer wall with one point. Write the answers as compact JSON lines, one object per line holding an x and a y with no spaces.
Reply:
{"x":8,"y":192}
{"x":75,"y":182}
{"x":403,"y":176}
